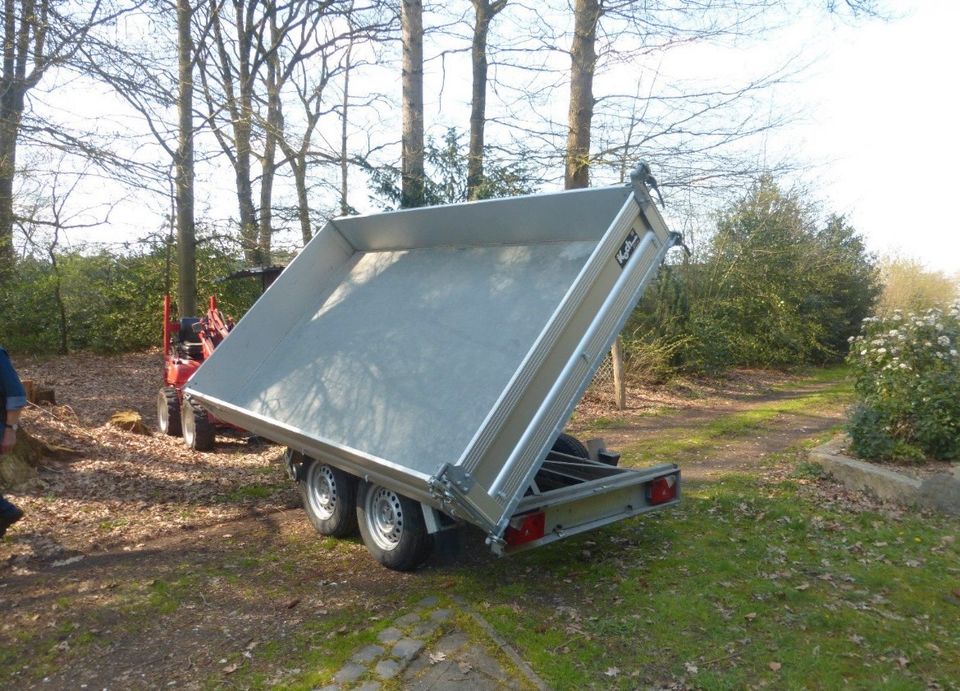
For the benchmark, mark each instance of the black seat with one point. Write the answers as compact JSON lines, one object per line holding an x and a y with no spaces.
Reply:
{"x":186,"y":333}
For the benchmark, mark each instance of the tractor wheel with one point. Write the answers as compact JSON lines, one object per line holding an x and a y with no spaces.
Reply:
{"x":392,"y":527}
{"x":330,"y":499}
{"x":198,"y":432}
{"x":168,"y":411}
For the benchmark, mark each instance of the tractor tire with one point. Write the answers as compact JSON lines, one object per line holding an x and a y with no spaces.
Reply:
{"x":168,"y":412}
{"x":198,"y":431}
{"x":392,"y":527}
{"x":329,"y":498}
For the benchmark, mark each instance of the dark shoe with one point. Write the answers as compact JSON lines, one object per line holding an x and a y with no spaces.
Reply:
{"x":9,"y":519}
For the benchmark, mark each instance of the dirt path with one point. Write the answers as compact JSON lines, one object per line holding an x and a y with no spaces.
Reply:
{"x":725,"y":434}
{"x":240,"y":591}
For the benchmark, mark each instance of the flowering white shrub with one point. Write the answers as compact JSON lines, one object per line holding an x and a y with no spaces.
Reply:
{"x":908,"y":383}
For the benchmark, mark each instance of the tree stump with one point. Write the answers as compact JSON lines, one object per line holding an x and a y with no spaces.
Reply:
{"x":129,"y":421}
{"x":20,"y":464}
{"x":37,"y":393}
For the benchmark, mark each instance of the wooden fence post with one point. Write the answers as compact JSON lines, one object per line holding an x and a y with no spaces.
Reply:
{"x":619,"y":383}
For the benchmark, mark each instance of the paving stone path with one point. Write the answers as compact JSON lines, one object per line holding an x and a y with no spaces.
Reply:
{"x":427,"y":649}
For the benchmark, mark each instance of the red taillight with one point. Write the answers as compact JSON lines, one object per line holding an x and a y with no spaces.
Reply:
{"x":532,"y":527}
{"x":662,"y":490}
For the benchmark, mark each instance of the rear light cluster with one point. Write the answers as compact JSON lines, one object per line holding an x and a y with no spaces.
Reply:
{"x":662,"y":490}
{"x":531,"y":527}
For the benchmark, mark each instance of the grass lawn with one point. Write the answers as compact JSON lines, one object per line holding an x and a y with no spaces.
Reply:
{"x":766,"y":576}
{"x":760,"y":579}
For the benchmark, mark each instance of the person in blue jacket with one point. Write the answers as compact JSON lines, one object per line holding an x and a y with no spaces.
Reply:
{"x":12,"y":400}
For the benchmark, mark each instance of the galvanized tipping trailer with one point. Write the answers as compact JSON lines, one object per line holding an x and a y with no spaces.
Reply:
{"x":420,"y":366}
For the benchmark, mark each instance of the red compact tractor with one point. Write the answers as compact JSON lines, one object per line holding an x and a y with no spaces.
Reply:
{"x":187,"y":343}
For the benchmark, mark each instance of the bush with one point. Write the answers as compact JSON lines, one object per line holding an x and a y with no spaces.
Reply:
{"x":774,"y":287}
{"x":911,"y":287}
{"x":107,"y":301}
{"x":907,"y":379}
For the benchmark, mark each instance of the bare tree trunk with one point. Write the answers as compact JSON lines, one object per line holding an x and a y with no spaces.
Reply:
{"x":238,"y":101}
{"x":484,"y":11}
{"x":298,"y":164}
{"x":344,"y":120}
{"x":37,"y":35}
{"x":249,"y":230}
{"x":583,"y":58}
{"x":303,"y":204}
{"x":273,"y":129}
{"x":16,"y":47}
{"x":8,"y":164}
{"x":412,"y":184}
{"x":183,"y":167}
{"x":62,"y":335}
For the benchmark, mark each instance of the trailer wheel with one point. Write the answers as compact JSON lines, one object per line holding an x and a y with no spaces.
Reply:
{"x":329,"y":498}
{"x":552,"y":477}
{"x":168,"y":411}
{"x":392,"y":527}
{"x":198,"y":432}
{"x":570,"y":445}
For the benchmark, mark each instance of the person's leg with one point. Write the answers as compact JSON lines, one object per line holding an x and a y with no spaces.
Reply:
{"x":9,"y":514}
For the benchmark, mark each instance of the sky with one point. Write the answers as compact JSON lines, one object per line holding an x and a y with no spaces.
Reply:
{"x":882,"y":127}
{"x":876,"y":124}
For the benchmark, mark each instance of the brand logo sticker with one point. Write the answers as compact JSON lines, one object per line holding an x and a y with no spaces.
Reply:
{"x":627,"y":248}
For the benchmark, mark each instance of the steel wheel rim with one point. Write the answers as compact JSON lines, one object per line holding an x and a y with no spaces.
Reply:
{"x":322,"y":490}
{"x":163,"y":414}
{"x":189,"y":425}
{"x":384,"y":517}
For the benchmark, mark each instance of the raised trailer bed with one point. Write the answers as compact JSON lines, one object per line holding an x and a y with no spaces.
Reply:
{"x":420,"y":365}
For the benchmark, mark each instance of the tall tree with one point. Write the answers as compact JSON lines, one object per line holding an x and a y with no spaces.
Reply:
{"x":583,"y":62}
{"x":484,"y":12}
{"x":348,"y":27}
{"x":411,"y":24}
{"x":161,"y":91}
{"x":232,"y":65}
{"x":38,"y":35}
{"x":257,"y":46}
{"x":183,"y":165}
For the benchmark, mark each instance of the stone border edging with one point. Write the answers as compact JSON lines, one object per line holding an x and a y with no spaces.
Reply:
{"x":400,"y":644}
{"x":940,"y":492}
{"x":522,"y":665}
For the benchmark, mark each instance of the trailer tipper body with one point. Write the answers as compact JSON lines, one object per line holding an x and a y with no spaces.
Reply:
{"x":420,"y":366}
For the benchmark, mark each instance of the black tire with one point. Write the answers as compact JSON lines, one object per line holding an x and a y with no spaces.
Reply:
{"x":198,"y":431}
{"x":168,"y":411}
{"x":553,"y":476}
{"x":329,"y":498}
{"x":392,"y":527}
{"x":569,"y":445}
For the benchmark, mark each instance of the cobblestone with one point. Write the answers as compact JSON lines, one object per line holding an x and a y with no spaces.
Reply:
{"x":407,"y":619}
{"x":349,"y":672}
{"x":407,"y":648}
{"x":366,"y":654}
{"x":455,"y":660}
{"x":387,"y":669}
{"x":390,"y":635}
{"x":441,"y":615}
